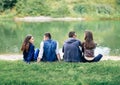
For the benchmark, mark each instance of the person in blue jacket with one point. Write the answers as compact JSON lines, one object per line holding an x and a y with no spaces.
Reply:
{"x":71,"y":48}
{"x":29,"y":54}
{"x":48,"y":50}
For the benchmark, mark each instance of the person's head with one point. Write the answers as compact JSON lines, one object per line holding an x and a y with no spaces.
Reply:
{"x":89,"y":42}
{"x":47,"y":36}
{"x":28,"y":39}
{"x":88,"y":36}
{"x":72,"y":34}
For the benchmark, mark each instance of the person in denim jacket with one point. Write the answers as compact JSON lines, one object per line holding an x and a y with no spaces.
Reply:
{"x":29,"y":54}
{"x":49,"y":49}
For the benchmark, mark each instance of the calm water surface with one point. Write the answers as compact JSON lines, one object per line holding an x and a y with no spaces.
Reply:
{"x":106,"y":34}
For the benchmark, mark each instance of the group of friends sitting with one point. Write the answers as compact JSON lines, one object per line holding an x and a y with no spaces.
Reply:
{"x":73,"y":49}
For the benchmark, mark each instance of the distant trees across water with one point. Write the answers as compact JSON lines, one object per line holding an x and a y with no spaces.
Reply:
{"x":61,"y":8}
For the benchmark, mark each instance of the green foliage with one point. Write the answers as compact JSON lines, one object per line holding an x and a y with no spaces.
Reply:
{"x":32,"y":7}
{"x":118,"y":2}
{"x":94,"y":9}
{"x":59,"y":73}
{"x":60,"y":11}
{"x":62,"y":8}
{"x":104,"y":9}
{"x":81,"y":8}
{"x":7,"y":4}
{"x":41,"y":7}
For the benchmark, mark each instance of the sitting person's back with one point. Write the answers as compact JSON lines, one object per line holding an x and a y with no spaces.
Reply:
{"x":88,"y":48}
{"x":89,"y":51}
{"x":48,"y":49}
{"x":71,"y":49}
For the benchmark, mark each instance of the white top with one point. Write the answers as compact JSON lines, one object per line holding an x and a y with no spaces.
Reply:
{"x":42,"y":50}
{"x":89,"y":58}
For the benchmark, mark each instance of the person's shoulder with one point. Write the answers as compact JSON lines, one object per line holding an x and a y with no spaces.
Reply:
{"x":95,"y":43}
{"x":55,"y":41}
{"x":82,"y":43}
{"x":42,"y":42}
{"x":31,"y":45}
{"x":78,"y":40}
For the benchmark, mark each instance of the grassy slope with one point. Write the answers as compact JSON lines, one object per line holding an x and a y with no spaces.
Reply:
{"x":62,"y":8}
{"x":59,"y":73}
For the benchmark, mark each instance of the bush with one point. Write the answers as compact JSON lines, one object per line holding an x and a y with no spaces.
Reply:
{"x":32,"y":7}
{"x":104,"y":9}
{"x":81,"y":8}
{"x":93,"y":9}
{"x":118,"y":2}
{"x":60,"y":11}
{"x":7,"y":4}
{"x":61,"y":8}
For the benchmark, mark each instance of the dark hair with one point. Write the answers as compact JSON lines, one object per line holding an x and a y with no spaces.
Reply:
{"x":89,"y":42}
{"x":26,"y":43}
{"x":71,"y":33}
{"x":47,"y":34}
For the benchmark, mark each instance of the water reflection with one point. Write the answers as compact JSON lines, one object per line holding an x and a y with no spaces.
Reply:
{"x":105,"y":51}
{"x":106,"y":34}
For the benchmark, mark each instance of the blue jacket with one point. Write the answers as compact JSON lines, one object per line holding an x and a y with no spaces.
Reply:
{"x":71,"y":50}
{"x":29,"y":56}
{"x":49,"y":53}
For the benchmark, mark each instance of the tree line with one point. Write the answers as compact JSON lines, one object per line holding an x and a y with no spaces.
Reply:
{"x":61,"y":8}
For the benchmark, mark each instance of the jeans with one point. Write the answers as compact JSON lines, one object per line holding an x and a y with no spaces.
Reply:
{"x":96,"y":59}
{"x":36,"y":54}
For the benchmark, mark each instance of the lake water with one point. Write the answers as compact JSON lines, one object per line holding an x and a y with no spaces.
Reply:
{"x":106,"y":34}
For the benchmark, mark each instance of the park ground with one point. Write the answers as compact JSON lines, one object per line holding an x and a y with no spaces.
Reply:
{"x":19,"y":57}
{"x":17,"y":72}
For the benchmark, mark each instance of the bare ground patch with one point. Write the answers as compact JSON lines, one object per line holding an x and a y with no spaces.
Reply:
{"x":13,"y":57}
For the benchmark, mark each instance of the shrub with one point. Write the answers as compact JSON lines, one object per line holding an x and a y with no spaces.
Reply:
{"x":104,"y":9}
{"x":7,"y":4}
{"x":81,"y":8}
{"x":32,"y":7}
{"x":118,"y":2}
{"x":60,"y":11}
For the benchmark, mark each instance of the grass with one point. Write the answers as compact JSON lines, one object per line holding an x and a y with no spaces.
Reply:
{"x":59,"y":73}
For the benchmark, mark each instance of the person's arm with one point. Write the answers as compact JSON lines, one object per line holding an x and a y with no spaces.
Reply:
{"x":82,"y":47}
{"x":30,"y":53}
{"x":41,"y":52}
{"x":63,"y":49}
{"x":57,"y":52}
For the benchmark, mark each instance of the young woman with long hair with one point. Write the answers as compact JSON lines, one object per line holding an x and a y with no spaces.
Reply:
{"x":88,"y":48}
{"x":29,"y":54}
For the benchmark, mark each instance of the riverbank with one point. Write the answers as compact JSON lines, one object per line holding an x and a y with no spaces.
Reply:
{"x":13,"y":57}
{"x":46,"y":19}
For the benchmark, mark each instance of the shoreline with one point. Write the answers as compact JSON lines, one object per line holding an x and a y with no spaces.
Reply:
{"x":14,"y":57}
{"x":47,"y":19}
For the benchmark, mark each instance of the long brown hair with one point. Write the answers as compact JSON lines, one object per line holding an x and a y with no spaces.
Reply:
{"x":89,"y":42}
{"x":26,"y":43}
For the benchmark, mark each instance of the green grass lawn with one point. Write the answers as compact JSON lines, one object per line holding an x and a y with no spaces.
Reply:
{"x":59,"y":73}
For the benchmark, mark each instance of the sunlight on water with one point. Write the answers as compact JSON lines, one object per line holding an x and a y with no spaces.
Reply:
{"x":105,"y":51}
